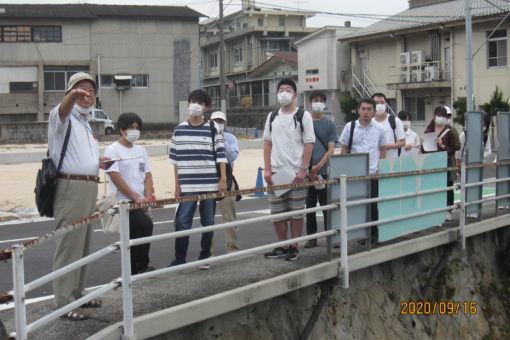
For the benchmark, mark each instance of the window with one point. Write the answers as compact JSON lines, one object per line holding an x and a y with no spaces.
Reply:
{"x":416,"y":106}
{"x":56,"y":77}
{"x":100,"y":114}
{"x":312,"y":72}
{"x":107,"y":80}
{"x":238,"y":55}
{"x":30,"y":33}
{"x":140,"y":80}
{"x":213,"y":61}
{"x":281,"y":21}
{"x":496,"y":49}
{"x":22,"y":86}
{"x":260,"y":21}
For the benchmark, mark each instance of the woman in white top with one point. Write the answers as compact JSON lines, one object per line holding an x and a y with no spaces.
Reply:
{"x":131,"y":179}
{"x":412,"y":145}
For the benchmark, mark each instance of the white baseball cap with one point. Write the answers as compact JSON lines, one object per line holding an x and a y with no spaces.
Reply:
{"x":218,"y":114}
{"x":77,"y":77}
{"x":448,"y":110}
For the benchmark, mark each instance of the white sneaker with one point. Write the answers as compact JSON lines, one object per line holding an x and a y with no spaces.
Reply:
{"x":204,"y":266}
{"x":472,"y":215}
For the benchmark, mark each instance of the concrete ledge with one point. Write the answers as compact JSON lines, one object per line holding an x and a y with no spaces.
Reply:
{"x":153,"y":324}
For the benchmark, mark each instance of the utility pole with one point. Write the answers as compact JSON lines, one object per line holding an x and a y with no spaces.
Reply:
{"x":469,"y":57}
{"x":222,"y":55}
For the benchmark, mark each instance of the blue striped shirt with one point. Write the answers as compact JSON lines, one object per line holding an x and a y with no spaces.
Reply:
{"x":191,"y":150}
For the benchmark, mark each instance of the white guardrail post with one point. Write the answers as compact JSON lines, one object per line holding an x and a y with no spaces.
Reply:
{"x":462,"y":207}
{"x":125,"y":256}
{"x":18,"y":275}
{"x":343,"y":230}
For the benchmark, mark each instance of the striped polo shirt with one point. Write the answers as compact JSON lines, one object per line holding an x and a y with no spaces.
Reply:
{"x":191,"y":150}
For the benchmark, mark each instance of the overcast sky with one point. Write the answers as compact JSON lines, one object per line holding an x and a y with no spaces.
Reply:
{"x":374,"y":8}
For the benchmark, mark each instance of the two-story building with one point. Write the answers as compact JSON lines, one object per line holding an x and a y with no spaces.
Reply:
{"x":146,"y":58}
{"x":252,"y":36}
{"x":325,"y":64}
{"x":418,"y":57}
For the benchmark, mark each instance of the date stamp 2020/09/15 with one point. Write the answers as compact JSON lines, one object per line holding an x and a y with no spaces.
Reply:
{"x":438,"y":307}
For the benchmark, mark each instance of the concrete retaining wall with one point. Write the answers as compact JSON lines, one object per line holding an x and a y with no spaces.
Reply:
{"x":34,"y":132}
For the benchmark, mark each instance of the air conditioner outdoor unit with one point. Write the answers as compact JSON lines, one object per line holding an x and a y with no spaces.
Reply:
{"x":416,"y":57}
{"x":431,"y":73}
{"x":404,"y":58}
{"x":416,"y":76}
{"x":404,"y":77}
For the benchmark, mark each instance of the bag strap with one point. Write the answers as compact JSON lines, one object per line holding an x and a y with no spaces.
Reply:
{"x":353,"y":125}
{"x":64,"y":147}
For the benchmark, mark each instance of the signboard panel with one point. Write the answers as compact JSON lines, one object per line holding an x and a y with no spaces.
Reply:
{"x":409,"y":184}
{"x":355,"y":164}
{"x":474,"y":155}
{"x":503,"y":171}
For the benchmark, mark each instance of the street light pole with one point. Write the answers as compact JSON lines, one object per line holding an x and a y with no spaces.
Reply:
{"x":469,"y":57}
{"x":222,"y":54}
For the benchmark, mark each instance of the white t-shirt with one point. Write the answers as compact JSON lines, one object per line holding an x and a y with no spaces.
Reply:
{"x":390,"y":138}
{"x":411,"y":138}
{"x":132,"y":170}
{"x":287,"y":139}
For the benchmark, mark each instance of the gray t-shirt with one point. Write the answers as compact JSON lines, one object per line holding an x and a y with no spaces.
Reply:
{"x":325,"y":131}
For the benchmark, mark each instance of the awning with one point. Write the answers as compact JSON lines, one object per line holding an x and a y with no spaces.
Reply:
{"x":119,"y":77}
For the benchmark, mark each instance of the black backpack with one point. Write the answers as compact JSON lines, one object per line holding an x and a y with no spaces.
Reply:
{"x":298,"y":117}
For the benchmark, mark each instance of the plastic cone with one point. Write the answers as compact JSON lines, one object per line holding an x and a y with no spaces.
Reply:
{"x":259,"y":183}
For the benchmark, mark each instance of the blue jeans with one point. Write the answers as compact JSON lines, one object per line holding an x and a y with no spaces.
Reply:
{"x":184,"y":220}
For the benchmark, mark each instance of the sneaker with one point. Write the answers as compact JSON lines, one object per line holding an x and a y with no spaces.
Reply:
{"x":311,"y":244}
{"x":276,"y":253}
{"x":204,"y":266}
{"x":292,"y":254}
{"x":144,"y":270}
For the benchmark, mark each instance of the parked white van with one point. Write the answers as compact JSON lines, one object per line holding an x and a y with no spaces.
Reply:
{"x":98,"y":115}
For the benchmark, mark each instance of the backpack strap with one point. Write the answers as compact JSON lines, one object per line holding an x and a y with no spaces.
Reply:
{"x":298,"y":116}
{"x":351,"y":136}
{"x":64,"y":147}
{"x":393,"y":125}
{"x":213,"y":135}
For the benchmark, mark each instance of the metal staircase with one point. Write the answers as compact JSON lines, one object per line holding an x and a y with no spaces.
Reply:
{"x":364,"y":87}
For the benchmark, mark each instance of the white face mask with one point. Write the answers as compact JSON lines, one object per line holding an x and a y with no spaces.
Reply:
{"x":221,"y":127}
{"x":380,"y":109}
{"x":440,"y":120}
{"x":195,"y":109}
{"x":284,"y":98}
{"x":132,"y":135}
{"x":406,"y":124}
{"x":449,"y":121}
{"x":318,"y":106}
{"x":83,"y":110}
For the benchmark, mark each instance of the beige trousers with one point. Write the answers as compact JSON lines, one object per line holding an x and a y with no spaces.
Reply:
{"x":228,"y":212}
{"x":74,"y":199}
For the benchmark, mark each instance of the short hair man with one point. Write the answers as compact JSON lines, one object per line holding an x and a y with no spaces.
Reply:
{"x":288,"y":144}
{"x":196,"y":148}
{"x":395,"y":134}
{"x":76,"y":191}
{"x":228,"y":204}
{"x":324,"y":146}
{"x":368,"y":136}
{"x":131,"y":180}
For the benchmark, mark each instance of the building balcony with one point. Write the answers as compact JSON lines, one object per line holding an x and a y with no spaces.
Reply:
{"x":419,"y":76}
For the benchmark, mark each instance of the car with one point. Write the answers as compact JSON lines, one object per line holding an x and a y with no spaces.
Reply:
{"x":98,"y":115}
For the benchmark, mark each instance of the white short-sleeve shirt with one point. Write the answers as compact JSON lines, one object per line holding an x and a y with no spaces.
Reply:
{"x":288,"y":142}
{"x":82,"y":153}
{"x":390,"y":137}
{"x":132,"y":169}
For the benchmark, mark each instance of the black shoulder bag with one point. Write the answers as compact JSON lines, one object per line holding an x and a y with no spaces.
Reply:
{"x":46,"y":180}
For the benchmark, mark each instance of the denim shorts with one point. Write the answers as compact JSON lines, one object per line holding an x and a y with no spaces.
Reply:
{"x":294,"y":199}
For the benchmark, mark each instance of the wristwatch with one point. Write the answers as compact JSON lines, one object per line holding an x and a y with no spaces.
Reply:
{"x":303,"y":167}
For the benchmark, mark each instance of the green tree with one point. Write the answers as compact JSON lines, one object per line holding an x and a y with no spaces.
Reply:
{"x":496,"y":103}
{"x":460,"y":106}
{"x":349,"y":106}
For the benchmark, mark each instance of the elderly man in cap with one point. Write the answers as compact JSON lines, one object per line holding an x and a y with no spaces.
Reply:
{"x":76,"y":190}
{"x":228,"y":204}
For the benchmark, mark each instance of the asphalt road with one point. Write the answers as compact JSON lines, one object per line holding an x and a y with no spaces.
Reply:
{"x":38,"y":260}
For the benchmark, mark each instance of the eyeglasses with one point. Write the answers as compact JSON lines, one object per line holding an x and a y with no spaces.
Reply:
{"x":87,"y":89}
